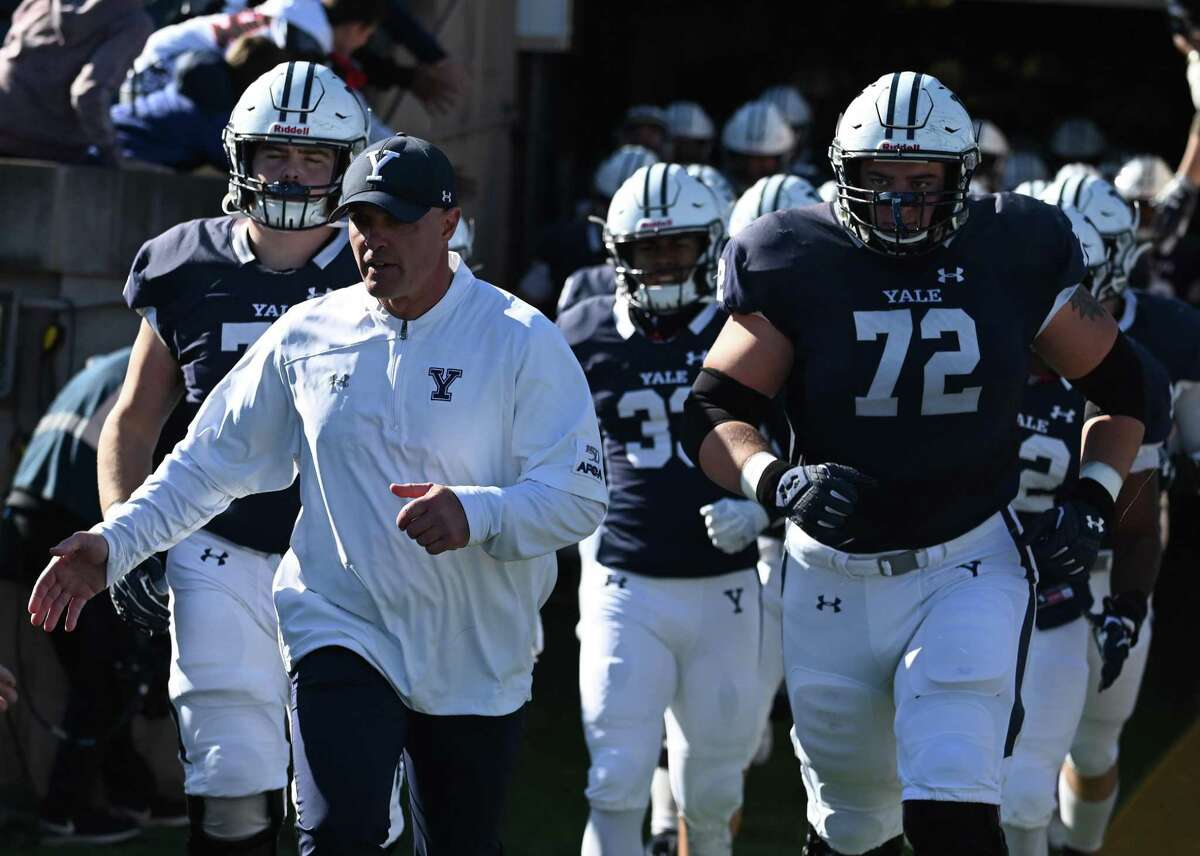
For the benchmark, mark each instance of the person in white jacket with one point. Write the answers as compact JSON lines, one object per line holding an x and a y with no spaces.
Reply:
{"x":423,"y":384}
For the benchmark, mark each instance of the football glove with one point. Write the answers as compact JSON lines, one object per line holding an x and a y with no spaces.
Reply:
{"x":1182,"y":473}
{"x":1066,"y":539}
{"x":1116,"y":631}
{"x":1173,"y":209}
{"x":140,"y":597}
{"x":733,"y":524}
{"x":819,"y":498}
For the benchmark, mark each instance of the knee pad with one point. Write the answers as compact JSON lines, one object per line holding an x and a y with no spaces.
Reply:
{"x":246,"y":826}
{"x":1094,"y":749}
{"x":936,"y":828}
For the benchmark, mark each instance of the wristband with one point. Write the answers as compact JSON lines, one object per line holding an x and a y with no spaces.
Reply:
{"x":1096,"y":495}
{"x":752,"y":472}
{"x":1103,"y":474}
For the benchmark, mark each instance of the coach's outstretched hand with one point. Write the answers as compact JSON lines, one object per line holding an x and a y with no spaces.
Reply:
{"x":74,"y":576}
{"x":435,"y":518}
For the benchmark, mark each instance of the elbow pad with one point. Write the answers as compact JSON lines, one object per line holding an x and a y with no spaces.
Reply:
{"x":1117,"y":384}
{"x":718,"y":398}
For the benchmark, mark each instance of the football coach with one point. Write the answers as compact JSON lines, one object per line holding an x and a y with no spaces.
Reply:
{"x":446,"y":445}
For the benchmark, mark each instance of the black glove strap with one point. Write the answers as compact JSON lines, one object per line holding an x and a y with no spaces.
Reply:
{"x":768,"y":485}
{"x":1097,"y":496}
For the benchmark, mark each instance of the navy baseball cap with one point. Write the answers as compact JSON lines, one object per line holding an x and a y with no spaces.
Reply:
{"x":406,"y":176}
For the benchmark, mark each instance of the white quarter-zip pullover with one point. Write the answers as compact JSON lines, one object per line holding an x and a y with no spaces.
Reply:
{"x":480,"y":393}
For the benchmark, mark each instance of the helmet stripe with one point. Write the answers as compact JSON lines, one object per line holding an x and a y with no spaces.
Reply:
{"x":1078,"y":192}
{"x":891,"y":111}
{"x":308,"y":85}
{"x":780,"y":181}
{"x":663,"y":187}
{"x":646,"y":192}
{"x":287,"y":91}
{"x":912,"y":104}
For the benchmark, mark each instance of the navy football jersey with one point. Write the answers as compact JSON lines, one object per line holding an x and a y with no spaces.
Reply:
{"x":591,"y":281}
{"x":909,"y":369}
{"x":1051,"y":425}
{"x":202,"y":290}
{"x":1167,"y":328}
{"x":653,"y":525}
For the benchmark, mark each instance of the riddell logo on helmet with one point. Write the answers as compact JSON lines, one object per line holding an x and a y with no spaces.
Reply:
{"x":899,"y":147}
{"x":292,"y":130}
{"x":655,"y":224}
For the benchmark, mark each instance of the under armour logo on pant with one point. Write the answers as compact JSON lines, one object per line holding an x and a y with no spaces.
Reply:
{"x":972,"y":566}
{"x":735,"y":597}
{"x":1096,"y":523}
{"x":619,"y":582}
{"x":836,"y":603}
{"x":209,"y":554}
{"x":956,"y":275}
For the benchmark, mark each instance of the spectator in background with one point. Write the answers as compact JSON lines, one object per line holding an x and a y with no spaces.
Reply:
{"x":8,"y":689}
{"x":53,"y":493}
{"x":60,"y":66}
{"x":301,"y":26}
{"x":180,"y":125}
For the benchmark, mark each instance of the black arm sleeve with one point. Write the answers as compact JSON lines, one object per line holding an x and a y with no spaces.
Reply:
{"x":408,"y":31}
{"x":1117,"y":383}
{"x":718,"y":398}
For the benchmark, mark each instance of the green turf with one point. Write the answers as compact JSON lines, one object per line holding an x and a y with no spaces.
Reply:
{"x":548,"y":811}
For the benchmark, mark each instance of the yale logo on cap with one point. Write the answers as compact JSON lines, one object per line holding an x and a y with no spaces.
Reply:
{"x":379,"y":160}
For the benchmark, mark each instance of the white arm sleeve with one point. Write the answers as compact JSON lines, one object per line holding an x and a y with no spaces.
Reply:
{"x":560,"y":495}
{"x":244,"y":440}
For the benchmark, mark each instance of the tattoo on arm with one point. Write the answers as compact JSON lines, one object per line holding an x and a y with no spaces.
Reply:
{"x":1085,"y":305}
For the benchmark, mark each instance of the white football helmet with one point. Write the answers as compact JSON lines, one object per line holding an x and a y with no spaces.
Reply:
{"x":687,"y":120}
{"x":772,"y":193}
{"x":663,"y":200}
{"x":1095,"y":253}
{"x":758,"y":128}
{"x":793,"y":105}
{"x":296,"y":104}
{"x":1142,"y":178}
{"x":463,"y":239}
{"x":992,"y":142}
{"x":618,"y":166}
{"x":828,"y":191}
{"x":1113,"y":218}
{"x":715,"y":181}
{"x":1075,"y":168}
{"x":904,"y":116}
{"x":1034,"y":187}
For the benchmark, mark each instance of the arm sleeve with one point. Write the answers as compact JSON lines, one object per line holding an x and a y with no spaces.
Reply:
{"x":244,"y":440}
{"x":1061,"y":271}
{"x":560,"y":494}
{"x":408,"y":31}
{"x":93,"y":89}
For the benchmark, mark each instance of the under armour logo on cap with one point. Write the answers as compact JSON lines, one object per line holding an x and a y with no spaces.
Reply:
{"x":1096,"y":523}
{"x":447,"y":196}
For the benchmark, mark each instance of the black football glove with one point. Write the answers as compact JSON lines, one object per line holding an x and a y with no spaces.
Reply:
{"x":140,"y":597}
{"x":1116,"y":631}
{"x":819,"y":498}
{"x":1184,"y":474}
{"x":1066,"y":539}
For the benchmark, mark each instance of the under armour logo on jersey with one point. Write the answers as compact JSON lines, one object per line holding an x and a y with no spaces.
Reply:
{"x":1096,"y":523}
{"x":735,"y":597}
{"x":694,"y":357}
{"x":613,"y":579}
{"x":379,"y":159}
{"x":315,"y":292}
{"x":442,"y":378}
{"x":944,"y":276}
{"x":972,"y":566}
{"x":1067,"y":416}
{"x":337,"y":381}
{"x":835,"y":604}
{"x":447,"y":196}
{"x":209,"y":554}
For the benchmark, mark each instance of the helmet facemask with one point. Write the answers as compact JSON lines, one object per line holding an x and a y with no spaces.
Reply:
{"x":671,"y":289}
{"x":1121,"y":253}
{"x":287,"y":206}
{"x":858,"y":206}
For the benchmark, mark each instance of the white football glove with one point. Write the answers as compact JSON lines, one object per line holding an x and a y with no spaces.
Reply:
{"x":733,"y":524}
{"x":1193,"y":77}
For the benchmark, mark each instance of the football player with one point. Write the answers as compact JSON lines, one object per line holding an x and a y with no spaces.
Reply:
{"x":668,"y":623}
{"x":757,"y":141}
{"x":799,"y":115}
{"x":692,"y":132}
{"x":1169,"y":330}
{"x":994,"y":149}
{"x":899,"y":321}
{"x":1057,"y":670}
{"x":206,"y":290}
{"x":773,"y":193}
